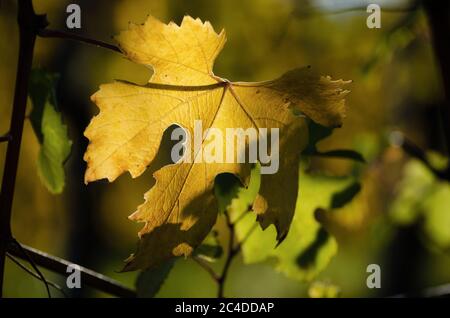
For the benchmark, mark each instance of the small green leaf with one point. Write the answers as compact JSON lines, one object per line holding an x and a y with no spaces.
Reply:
{"x":149,"y":282}
{"x":50,"y":131}
{"x":437,"y":217}
{"x":308,"y":248}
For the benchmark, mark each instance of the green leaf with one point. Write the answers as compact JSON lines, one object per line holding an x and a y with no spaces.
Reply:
{"x":437,"y":160}
{"x":149,"y":282}
{"x":416,"y":184}
{"x":210,"y":250}
{"x":50,"y":131}
{"x":424,"y":199}
{"x":308,"y":248}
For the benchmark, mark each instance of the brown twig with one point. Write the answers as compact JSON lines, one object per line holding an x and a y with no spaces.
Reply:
{"x":233,"y":249}
{"x":30,"y":272}
{"x":48,"y":33}
{"x":206,"y":267}
{"x":27,"y":257}
{"x":88,"y":277}
{"x":232,"y":252}
{"x":30,"y":25}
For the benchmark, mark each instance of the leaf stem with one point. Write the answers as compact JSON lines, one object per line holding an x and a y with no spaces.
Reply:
{"x":234,"y":248}
{"x":48,"y":33}
{"x":59,"y":265}
{"x":206,"y":267}
{"x":30,"y":25}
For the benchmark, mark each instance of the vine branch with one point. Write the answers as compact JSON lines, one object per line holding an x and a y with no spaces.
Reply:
{"x":440,"y":291}
{"x":48,"y":33}
{"x":59,"y":265}
{"x":232,"y":252}
{"x":30,"y":272}
{"x":207,"y":268}
{"x":233,"y":249}
{"x":28,"y":22}
{"x":31,"y":25}
{"x":36,"y":269}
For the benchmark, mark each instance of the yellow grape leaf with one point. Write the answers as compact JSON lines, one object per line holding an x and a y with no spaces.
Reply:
{"x":180,"y":209}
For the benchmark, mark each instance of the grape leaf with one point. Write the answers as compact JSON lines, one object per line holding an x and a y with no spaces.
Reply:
{"x":308,"y":248}
{"x":50,"y":130}
{"x":180,"y":209}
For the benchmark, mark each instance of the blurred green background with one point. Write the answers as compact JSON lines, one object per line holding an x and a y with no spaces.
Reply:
{"x":400,"y":219}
